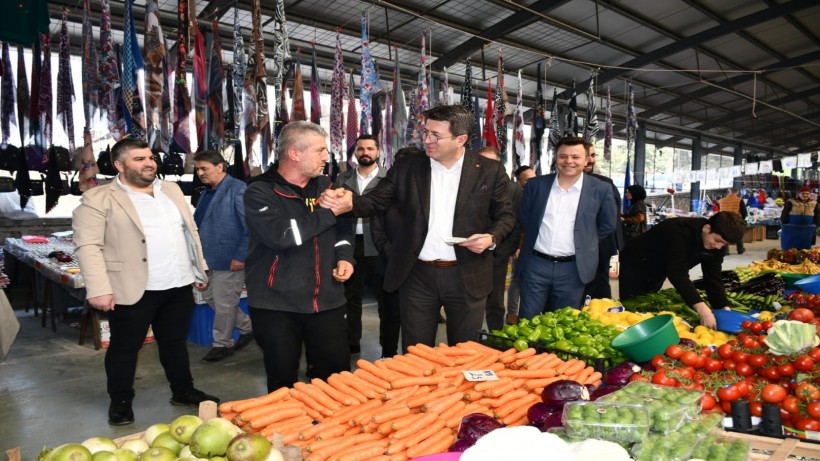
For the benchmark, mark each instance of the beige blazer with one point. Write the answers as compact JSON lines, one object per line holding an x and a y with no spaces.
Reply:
{"x":110,"y":242}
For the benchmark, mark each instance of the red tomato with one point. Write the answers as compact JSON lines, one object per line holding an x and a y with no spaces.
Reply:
{"x":813,"y":409}
{"x":757,"y":360}
{"x":787,"y":369}
{"x":661,"y":378}
{"x":814,"y":353}
{"x":689,"y":358}
{"x":801,"y":314}
{"x":713,"y":365}
{"x":699,"y":362}
{"x":729,"y":364}
{"x":659,"y":361}
{"x":743,"y":387}
{"x":807,"y":424}
{"x":803,"y":363}
{"x":756,"y":408}
{"x":725,"y":351}
{"x":791,"y":404}
{"x":638,"y":377}
{"x":769,"y":373}
{"x":709,"y":402}
{"x":807,"y":392}
{"x":767,"y":324}
{"x":674,"y":351}
{"x":751,"y":343}
{"x":728,"y":393}
{"x":740,"y":356}
{"x":744,"y":369}
{"x":756,"y":327}
{"x":773,"y":393}
{"x":746,"y":324}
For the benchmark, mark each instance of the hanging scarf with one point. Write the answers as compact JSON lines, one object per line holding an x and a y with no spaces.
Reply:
{"x":502,"y":103}
{"x":88,"y":165}
{"x":555,"y":132}
{"x":23,"y":179}
{"x":238,"y":80}
{"x":252,"y":158}
{"x":216,"y":74}
{"x":65,"y":86}
{"x":445,"y":89}
{"x":133,"y":112}
{"x":520,"y":145}
{"x":352,"y":121}
{"x":182,"y":98}
{"x":488,"y":135}
{"x":386,"y":139}
{"x":23,"y":101}
{"x":399,"y":115}
{"x":591,"y":120}
{"x":281,"y":46}
{"x":467,"y":101}
{"x":631,"y":120}
{"x":571,"y":123}
{"x":298,"y":103}
{"x":260,"y":75}
{"x":154,"y":74}
{"x":200,"y":89}
{"x":109,"y":72}
{"x":35,"y":125}
{"x":6,"y":95}
{"x":422,"y":97}
{"x":45,"y":97}
{"x":337,"y":91}
{"x":538,"y":124}
{"x":608,"y":128}
{"x":411,"y":136}
{"x":91,"y":73}
{"x":315,"y":92}
{"x":369,"y":83}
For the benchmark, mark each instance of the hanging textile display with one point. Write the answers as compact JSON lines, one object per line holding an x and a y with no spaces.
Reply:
{"x":131,"y":64}
{"x":398,"y":120}
{"x":22,"y":97}
{"x":88,"y":165}
{"x":65,"y":86}
{"x":237,"y":166}
{"x":352,"y":121}
{"x":22,"y":178}
{"x":281,"y":65}
{"x":386,"y":134}
{"x":477,"y":124}
{"x":369,"y":82}
{"x":538,"y":124}
{"x":445,"y":89}
{"x":410,"y":127}
{"x":283,"y":115}
{"x":554,"y":135}
{"x":298,"y":104}
{"x":35,"y":124}
{"x":337,"y":91}
{"x":502,"y":108}
{"x":109,"y":72}
{"x":571,"y":122}
{"x":91,"y":71}
{"x":631,"y":120}
{"x":591,"y":119}
{"x":238,"y":80}
{"x":315,"y":92}
{"x":216,"y":78}
{"x":182,"y":97}
{"x":520,"y":145}
{"x":608,"y":129}
{"x":488,"y":135}
{"x":6,"y":96}
{"x":155,"y":52}
{"x":377,"y":123}
{"x":45,"y":108}
{"x":200,"y":86}
{"x":467,"y":101}
{"x":422,"y":96}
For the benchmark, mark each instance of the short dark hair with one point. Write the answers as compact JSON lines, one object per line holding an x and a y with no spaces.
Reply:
{"x":460,"y":118}
{"x":728,"y":225}
{"x":405,"y":151}
{"x":491,"y":150}
{"x":122,"y":146}
{"x":210,"y":156}
{"x":573,"y":141}
{"x":521,"y":169}
{"x":637,"y":191}
{"x":370,"y":137}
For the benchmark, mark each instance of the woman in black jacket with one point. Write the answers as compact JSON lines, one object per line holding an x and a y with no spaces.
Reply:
{"x":634,"y":220}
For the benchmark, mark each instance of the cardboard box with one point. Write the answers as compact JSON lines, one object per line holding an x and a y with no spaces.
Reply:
{"x":105,"y":334}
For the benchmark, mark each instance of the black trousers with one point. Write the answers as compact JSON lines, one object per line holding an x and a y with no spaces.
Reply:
{"x":281,"y":334}
{"x":633,"y":281}
{"x":599,"y":286}
{"x":367,"y":271}
{"x":169,"y":313}
{"x":495,"y":310}
{"x":390,"y":324}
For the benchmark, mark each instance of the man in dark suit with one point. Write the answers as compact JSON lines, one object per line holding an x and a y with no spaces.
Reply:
{"x":564,"y":216}
{"x":454,"y":207}
{"x":610,"y":245}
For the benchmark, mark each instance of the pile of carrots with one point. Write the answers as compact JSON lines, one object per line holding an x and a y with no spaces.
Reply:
{"x":406,"y":406}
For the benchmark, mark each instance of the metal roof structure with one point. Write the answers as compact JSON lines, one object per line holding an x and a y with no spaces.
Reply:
{"x":728,"y":71}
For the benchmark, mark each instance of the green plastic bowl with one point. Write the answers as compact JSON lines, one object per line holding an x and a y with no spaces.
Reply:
{"x":644,"y":340}
{"x":790,"y":279}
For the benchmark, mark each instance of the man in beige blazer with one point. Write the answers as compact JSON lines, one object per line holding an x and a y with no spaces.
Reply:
{"x":139,"y":254}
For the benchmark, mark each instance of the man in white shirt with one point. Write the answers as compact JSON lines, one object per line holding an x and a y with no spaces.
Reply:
{"x":564,"y":216}
{"x":139,"y":254}
{"x":361,"y":180}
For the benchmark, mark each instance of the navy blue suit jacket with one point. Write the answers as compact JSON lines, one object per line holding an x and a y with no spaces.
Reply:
{"x":223,"y":232}
{"x":595,"y":219}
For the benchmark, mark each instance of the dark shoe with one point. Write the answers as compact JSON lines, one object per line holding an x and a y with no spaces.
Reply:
{"x":243,"y":341}
{"x":217,"y":353}
{"x":740,"y":252}
{"x":192,"y":397}
{"x":120,"y":413}
{"x":512,"y":319}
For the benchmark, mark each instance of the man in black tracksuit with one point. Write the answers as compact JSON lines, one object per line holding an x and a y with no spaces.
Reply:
{"x":299,"y":257}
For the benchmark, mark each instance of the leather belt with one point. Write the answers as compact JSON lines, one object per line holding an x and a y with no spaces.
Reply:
{"x":555,"y":259}
{"x":439,"y":263}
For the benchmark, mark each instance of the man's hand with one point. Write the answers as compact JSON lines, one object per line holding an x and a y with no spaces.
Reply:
{"x":237,"y":266}
{"x":343,"y":271}
{"x":200,"y":286}
{"x":707,"y":317}
{"x":339,"y":201}
{"x":477,"y":243}
{"x":103,"y":303}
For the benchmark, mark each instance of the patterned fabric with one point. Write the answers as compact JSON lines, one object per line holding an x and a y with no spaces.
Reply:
{"x":502,"y":103}
{"x":216,"y":78}
{"x":520,"y":145}
{"x":315,"y":100}
{"x":411,"y":136}
{"x":538,"y":124}
{"x":91,"y":71}
{"x":298,"y":103}
{"x":476,"y":123}
{"x":22,"y":96}
{"x":386,"y":135}
{"x":200,"y":87}
{"x":337,"y":91}
{"x":445,"y":89}
{"x":398,"y":118}
{"x":488,"y":134}
{"x":591,"y":120}
{"x":631,"y":120}
{"x":88,"y":165}
{"x":249,"y":107}
{"x":282,"y":114}
{"x":260,"y":85}
{"x":6,"y":95}
{"x":281,"y":46}
{"x":352,"y":121}
{"x":131,"y":63}
{"x":109,"y":72}
{"x":238,"y":80}
{"x":370,"y":84}
{"x":571,"y":124}
{"x":182,"y":98}
{"x":555,"y":132}
{"x":65,"y":86}
{"x":35,"y":124}
{"x":45,"y":108}
{"x":422,"y":96}
{"x":154,"y":73}
{"x":608,"y":129}
{"x":467,"y":101}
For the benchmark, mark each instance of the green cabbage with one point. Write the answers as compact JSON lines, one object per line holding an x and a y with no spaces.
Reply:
{"x":788,"y":337}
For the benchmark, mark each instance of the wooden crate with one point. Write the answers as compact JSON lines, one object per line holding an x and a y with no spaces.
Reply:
{"x":772,"y":449}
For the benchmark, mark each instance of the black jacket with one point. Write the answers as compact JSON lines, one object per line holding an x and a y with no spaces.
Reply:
{"x":294,"y":246}
{"x":668,"y":250}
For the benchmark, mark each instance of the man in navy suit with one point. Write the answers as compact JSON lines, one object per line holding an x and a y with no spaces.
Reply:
{"x":564,"y":217}
{"x":220,"y":217}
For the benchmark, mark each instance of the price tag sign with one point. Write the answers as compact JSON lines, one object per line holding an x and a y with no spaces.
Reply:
{"x":480,"y":375}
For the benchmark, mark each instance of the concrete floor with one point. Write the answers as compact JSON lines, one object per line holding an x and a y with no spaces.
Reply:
{"x":52,"y":390}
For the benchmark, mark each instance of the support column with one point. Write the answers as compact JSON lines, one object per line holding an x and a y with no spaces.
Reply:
{"x":737,"y":183}
{"x":697,"y":154}
{"x":639,"y":173}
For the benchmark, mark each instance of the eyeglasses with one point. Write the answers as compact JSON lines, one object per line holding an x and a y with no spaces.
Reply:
{"x":436,"y":138}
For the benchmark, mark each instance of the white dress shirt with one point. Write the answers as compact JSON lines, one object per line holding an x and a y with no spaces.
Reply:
{"x":556,"y":236}
{"x":362,"y":182}
{"x":443,"y":192}
{"x":169,"y":265}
